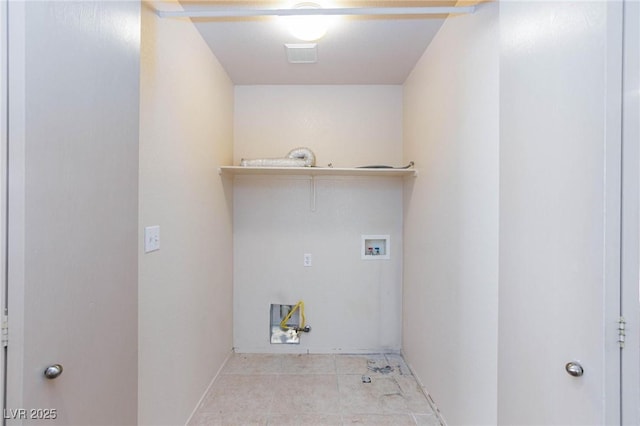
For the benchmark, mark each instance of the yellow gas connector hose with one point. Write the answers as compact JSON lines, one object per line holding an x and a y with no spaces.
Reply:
{"x":298,"y":306}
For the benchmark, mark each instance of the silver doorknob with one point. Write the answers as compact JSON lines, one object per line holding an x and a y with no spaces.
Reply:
{"x":574,"y":369}
{"x":53,"y":371}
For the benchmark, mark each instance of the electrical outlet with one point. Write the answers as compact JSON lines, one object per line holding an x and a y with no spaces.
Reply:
{"x":308,"y":261}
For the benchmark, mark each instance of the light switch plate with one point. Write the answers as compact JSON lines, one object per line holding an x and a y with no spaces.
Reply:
{"x":151,"y":238}
{"x":307,"y":260}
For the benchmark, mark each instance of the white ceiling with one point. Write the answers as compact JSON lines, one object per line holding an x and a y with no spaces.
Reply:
{"x":356,"y":50}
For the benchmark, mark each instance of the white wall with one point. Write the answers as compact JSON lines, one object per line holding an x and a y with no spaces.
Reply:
{"x":353,"y":305}
{"x":347,"y":126}
{"x":185,"y":288}
{"x":451,"y":218}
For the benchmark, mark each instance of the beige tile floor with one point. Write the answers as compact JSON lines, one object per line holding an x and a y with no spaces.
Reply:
{"x":282,"y":390}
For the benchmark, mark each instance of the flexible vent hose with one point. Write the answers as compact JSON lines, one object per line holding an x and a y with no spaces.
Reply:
{"x":298,"y":157}
{"x":303,"y":154}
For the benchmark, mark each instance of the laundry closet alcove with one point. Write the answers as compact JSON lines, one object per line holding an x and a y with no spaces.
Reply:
{"x":283,"y":214}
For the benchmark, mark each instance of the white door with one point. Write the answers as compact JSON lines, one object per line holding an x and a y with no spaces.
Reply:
{"x":4,"y":101}
{"x":72,"y":215}
{"x":631,"y":216}
{"x":560,"y":154}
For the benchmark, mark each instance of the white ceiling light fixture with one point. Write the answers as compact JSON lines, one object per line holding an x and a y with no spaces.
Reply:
{"x":308,"y":27}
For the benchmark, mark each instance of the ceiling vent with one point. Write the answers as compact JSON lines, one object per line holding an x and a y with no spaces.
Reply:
{"x":302,"y":53}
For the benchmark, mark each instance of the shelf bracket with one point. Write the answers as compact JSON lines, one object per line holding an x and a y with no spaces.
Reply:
{"x":312,"y":195}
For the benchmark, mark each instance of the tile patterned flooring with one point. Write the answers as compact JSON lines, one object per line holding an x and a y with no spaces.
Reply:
{"x":315,"y":390}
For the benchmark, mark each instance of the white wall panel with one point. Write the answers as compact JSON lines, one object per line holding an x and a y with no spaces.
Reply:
{"x":451,"y":218}
{"x":344,"y":125}
{"x":186,"y":287}
{"x":352,"y":305}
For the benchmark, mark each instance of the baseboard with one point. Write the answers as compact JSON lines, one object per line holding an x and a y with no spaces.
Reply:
{"x":215,"y":376}
{"x":430,"y":400}
{"x":297,"y":350}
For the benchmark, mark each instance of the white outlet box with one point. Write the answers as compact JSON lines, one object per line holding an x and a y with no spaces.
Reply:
{"x":151,"y":238}
{"x":308,"y":260}
{"x":375,"y":247}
